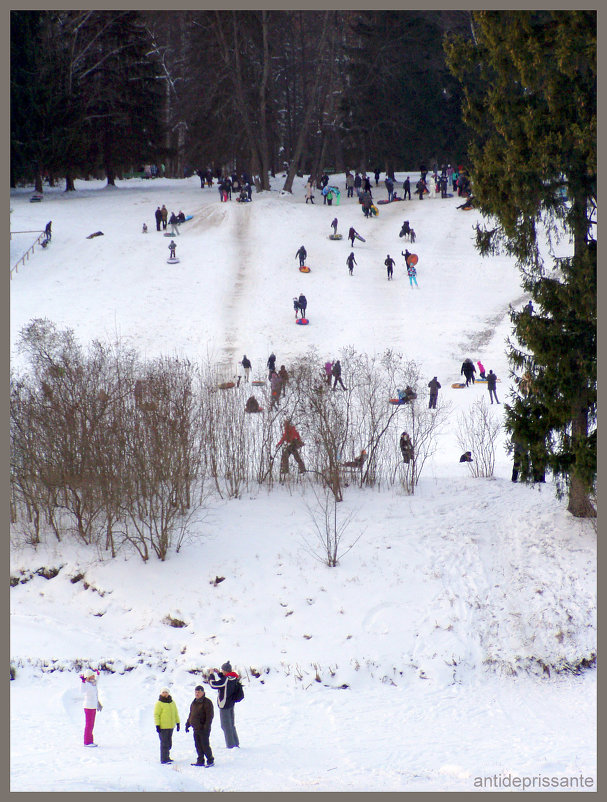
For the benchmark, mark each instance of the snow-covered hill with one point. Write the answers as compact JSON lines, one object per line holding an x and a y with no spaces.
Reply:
{"x":439,"y":650}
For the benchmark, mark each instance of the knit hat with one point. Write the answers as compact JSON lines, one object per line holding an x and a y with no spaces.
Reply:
{"x":226,"y":666}
{"x":199,"y":688}
{"x":164,"y":690}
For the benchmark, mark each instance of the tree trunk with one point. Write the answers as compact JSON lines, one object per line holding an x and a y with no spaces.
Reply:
{"x":579,"y":501}
{"x":311,"y":104}
{"x":264,"y":148}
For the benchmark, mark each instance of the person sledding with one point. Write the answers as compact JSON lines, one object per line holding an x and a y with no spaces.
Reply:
{"x":181,"y":217}
{"x":302,"y":303}
{"x":172,"y":248}
{"x":302,"y":253}
{"x":252,"y":405}
{"x":357,"y":462}
{"x":292,"y":443}
{"x":406,"y":395}
{"x":468,"y":203}
{"x":334,"y":226}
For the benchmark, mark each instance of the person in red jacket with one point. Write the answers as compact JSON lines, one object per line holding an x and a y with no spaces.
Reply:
{"x":292,"y":442}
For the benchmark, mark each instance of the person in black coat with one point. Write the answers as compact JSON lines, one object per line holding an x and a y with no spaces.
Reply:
{"x":491,"y":386}
{"x":200,"y":719}
{"x":434,"y":386}
{"x":407,"y":188}
{"x":389,"y":263}
{"x":302,"y":302}
{"x":246,"y":364}
{"x":336,"y":373}
{"x":271,"y":365}
{"x":406,"y":447}
{"x":351,"y":261}
{"x":468,"y":370}
{"x":302,"y":253}
{"x":158,"y":216}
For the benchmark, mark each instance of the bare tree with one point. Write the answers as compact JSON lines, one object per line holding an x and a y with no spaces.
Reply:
{"x":329,"y":531}
{"x":477,"y":431}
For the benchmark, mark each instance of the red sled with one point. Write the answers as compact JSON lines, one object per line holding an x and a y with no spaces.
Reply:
{"x":304,"y":269}
{"x":413,"y":259}
{"x":302,"y":321}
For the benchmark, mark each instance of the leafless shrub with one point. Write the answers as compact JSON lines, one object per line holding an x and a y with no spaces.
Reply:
{"x":477,"y":431}
{"x":326,"y":546}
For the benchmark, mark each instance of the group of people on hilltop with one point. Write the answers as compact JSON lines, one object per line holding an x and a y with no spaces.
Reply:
{"x":232,"y":184}
{"x":166,"y":715}
{"x":447,"y":179}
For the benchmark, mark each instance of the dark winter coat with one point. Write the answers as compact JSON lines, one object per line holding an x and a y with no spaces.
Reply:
{"x":434,"y":386}
{"x":246,"y":363}
{"x":271,"y":362}
{"x":201,"y":715}
{"x":491,"y":380}
{"x":224,"y":685}
{"x":302,"y":302}
{"x":336,"y":369}
{"x":468,"y":369}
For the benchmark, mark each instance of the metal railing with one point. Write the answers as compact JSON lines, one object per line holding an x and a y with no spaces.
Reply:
{"x":41,"y":236}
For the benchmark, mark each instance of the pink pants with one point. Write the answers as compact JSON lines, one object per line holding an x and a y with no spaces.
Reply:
{"x":89,"y":723}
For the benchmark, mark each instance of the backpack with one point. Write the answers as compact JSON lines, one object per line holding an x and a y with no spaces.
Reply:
{"x":237,"y":692}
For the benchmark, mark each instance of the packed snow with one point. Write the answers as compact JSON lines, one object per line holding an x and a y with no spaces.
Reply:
{"x":440,"y":649}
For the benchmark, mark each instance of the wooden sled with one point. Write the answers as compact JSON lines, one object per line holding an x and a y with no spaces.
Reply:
{"x":458,"y":385}
{"x":226,"y":385}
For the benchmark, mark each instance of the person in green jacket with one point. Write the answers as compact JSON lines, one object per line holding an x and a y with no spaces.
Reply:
{"x":166,"y":717}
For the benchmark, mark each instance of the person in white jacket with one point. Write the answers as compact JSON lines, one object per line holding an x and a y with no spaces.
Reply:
{"x":91,"y":704}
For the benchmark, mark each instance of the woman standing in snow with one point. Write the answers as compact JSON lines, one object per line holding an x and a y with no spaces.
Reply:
{"x":91,"y":704}
{"x":166,"y":718}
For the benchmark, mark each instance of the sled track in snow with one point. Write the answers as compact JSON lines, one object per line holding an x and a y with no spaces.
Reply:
{"x":240,"y":227}
{"x":479,"y":339}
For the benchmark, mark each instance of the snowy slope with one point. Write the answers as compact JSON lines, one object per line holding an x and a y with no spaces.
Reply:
{"x":448,"y":619}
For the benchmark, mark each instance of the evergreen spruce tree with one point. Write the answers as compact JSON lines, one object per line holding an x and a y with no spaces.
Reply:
{"x":529,"y":80}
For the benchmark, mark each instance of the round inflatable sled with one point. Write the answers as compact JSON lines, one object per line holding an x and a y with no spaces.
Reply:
{"x":302,"y":321}
{"x":304,"y":269}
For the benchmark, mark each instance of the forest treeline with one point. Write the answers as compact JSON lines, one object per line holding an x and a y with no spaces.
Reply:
{"x":100,"y":93}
